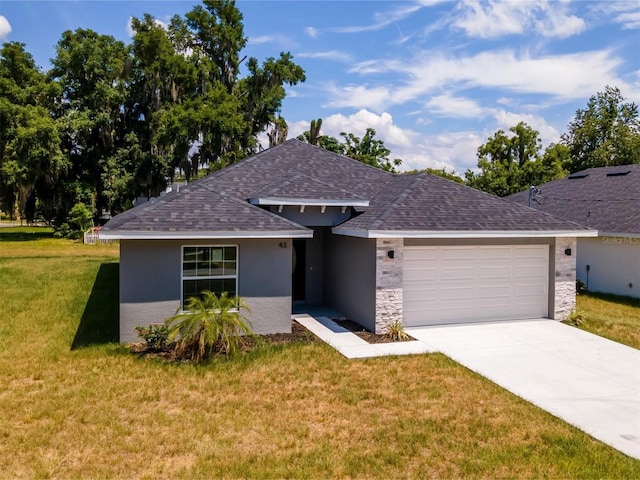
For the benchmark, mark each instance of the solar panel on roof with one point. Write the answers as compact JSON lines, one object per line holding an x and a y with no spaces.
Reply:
{"x":578,"y":175}
{"x":618,"y":174}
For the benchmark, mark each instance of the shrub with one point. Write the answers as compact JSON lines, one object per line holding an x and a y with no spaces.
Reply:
{"x":581,"y":287}
{"x":155,"y":335}
{"x":395,"y":331}
{"x":576,"y":318}
{"x":209,"y":324}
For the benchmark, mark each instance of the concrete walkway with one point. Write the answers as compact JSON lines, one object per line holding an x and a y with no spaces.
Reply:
{"x":586,"y":380}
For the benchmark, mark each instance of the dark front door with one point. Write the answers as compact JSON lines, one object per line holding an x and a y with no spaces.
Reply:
{"x":299,"y":268}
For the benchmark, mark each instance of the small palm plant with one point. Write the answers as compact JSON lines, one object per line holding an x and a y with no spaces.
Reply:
{"x":209,"y":323}
{"x":395,"y":331}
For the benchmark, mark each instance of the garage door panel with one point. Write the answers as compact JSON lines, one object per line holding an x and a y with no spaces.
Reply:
{"x":474,"y":283}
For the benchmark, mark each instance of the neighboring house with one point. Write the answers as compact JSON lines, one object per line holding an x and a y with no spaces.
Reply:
{"x":606,"y":199}
{"x":297,"y":223}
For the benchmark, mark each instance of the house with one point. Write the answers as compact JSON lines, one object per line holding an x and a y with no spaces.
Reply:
{"x":606,"y":199}
{"x":297,"y":224}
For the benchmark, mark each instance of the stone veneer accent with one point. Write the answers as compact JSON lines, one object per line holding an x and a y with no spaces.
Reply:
{"x":565,"y":278}
{"x":388,"y":282}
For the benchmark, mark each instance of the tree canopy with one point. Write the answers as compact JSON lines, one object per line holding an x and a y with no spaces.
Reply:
{"x":606,"y":132}
{"x":113,"y":121}
{"x":511,"y":162}
{"x":368,"y":149}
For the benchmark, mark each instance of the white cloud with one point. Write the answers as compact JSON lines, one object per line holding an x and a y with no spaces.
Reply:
{"x":360,"y":96}
{"x":563,"y":77}
{"x":626,"y":13}
{"x":5,"y":27}
{"x":395,"y":138}
{"x":497,"y":18}
{"x":281,"y":40}
{"x":382,"y":19}
{"x":451,"y":151}
{"x":328,"y":55}
{"x":311,"y":32}
{"x":454,"y":107}
{"x":492,"y":19}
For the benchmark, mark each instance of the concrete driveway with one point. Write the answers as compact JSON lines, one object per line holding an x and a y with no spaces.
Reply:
{"x":588,"y":381}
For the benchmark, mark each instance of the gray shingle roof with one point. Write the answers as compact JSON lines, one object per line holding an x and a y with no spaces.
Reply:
{"x":198,"y":209}
{"x":424,"y":202}
{"x":600,"y":198}
{"x":297,"y":170}
{"x":304,"y":187}
{"x":285,"y":162}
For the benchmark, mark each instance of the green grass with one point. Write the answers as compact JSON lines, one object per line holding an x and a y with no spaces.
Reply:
{"x":610,"y":316}
{"x":74,"y":405}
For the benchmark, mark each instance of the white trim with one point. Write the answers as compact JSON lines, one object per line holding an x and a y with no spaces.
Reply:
{"x":222,"y":277}
{"x":462,"y":233}
{"x":308,"y":202}
{"x":609,"y":234}
{"x":122,"y":235}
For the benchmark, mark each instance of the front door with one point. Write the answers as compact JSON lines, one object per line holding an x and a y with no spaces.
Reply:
{"x":298,"y":268}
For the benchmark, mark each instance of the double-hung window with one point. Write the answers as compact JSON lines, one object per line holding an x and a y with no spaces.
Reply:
{"x":213,"y":268}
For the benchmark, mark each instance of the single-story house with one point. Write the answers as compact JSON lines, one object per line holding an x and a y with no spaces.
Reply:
{"x":296,"y":223}
{"x":606,"y":199}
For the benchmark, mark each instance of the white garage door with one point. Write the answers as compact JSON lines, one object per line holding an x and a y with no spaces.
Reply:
{"x":474,"y":283}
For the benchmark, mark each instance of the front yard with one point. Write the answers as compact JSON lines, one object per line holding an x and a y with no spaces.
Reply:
{"x":300,"y":410}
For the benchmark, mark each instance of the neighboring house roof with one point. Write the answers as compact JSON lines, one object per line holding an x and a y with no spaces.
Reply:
{"x":424,"y":205}
{"x":605,"y":198}
{"x":224,"y":204}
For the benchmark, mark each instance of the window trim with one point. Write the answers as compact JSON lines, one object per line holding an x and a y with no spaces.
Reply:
{"x":222,"y":277}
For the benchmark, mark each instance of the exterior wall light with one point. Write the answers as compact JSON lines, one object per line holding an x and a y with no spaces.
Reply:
{"x":567,"y":252}
{"x":391,"y":254}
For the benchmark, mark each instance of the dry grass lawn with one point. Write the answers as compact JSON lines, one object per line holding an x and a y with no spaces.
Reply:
{"x":295,"y":411}
{"x":616,"y":318}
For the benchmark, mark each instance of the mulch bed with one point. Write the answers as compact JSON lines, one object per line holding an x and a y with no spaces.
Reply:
{"x":299,"y":334}
{"x":365,"y":334}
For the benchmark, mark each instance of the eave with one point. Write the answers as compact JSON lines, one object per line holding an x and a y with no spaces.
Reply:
{"x":308,"y":202}
{"x":462,"y":233}
{"x":212,"y":235}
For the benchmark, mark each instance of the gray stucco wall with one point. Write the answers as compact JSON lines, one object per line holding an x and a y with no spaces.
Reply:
{"x":614,"y":264}
{"x":350,"y":277}
{"x":150,"y":282}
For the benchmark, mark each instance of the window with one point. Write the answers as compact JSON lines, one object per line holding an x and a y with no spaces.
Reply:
{"x":209,"y":268}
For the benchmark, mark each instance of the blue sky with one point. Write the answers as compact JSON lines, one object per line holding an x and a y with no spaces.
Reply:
{"x":434,"y":78}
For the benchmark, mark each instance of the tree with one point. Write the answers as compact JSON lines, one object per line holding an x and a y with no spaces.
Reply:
{"x":511,"y":163}
{"x":92,"y":70}
{"x":30,"y":155}
{"x":606,"y":132}
{"x":369,"y":150}
{"x":326,"y":142}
